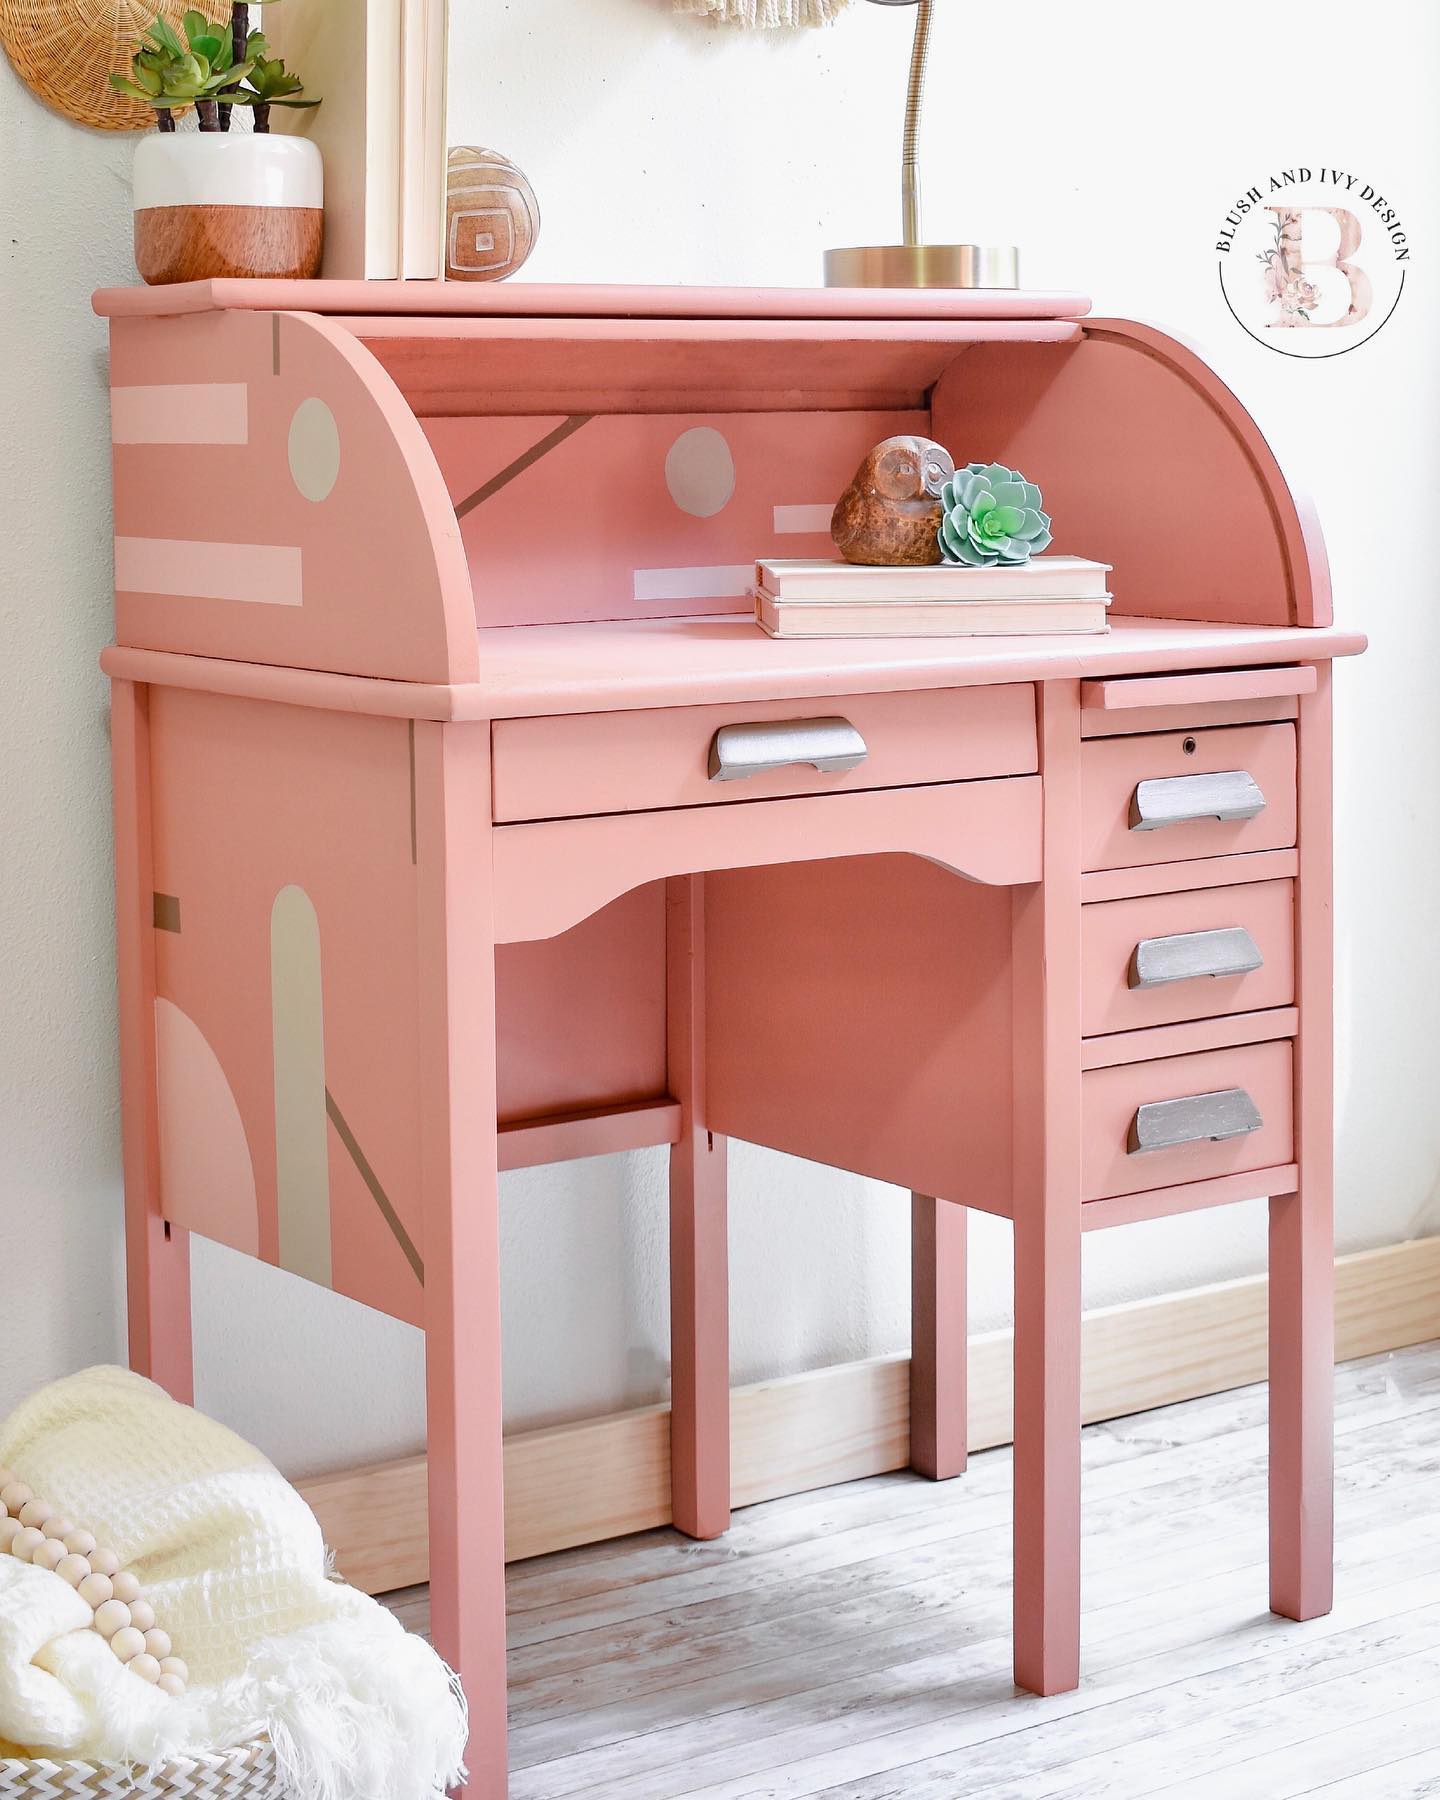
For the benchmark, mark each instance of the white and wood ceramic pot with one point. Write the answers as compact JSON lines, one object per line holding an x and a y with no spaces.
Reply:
{"x":217,"y":204}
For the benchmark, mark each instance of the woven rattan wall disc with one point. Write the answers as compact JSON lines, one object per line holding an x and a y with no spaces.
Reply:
{"x":64,"y":50}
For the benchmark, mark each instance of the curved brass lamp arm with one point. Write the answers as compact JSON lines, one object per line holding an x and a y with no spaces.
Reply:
{"x":914,"y":106}
{"x":916,"y":263}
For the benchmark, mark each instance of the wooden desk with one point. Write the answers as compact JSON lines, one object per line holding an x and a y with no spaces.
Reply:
{"x":429,"y":607}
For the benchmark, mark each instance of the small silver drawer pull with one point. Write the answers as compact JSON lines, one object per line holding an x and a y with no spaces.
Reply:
{"x":1231,"y":795}
{"x":1229,"y":951}
{"x":1198,"y":1119}
{"x":830,"y":745}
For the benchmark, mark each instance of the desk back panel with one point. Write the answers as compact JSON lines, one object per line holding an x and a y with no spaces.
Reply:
{"x":631,"y":515}
{"x":581,"y":1016}
{"x":859,"y":1015}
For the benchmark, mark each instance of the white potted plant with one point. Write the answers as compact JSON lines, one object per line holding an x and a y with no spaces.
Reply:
{"x":219,"y":202}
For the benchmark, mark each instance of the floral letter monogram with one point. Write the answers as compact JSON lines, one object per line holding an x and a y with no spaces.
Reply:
{"x":1289,"y":290}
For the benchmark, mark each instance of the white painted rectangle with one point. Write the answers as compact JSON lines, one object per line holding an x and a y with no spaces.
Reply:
{"x":181,"y":412}
{"x":794,"y":521}
{"x":267,"y":574}
{"x":724,"y":581}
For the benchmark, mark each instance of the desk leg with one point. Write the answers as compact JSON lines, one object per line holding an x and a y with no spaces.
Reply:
{"x":1302,"y":1239}
{"x":1302,"y":1371}
{"x":1047,"y":1200}
{"x":157,"y":1255}
{"x":460,"y":1208}
{"x":699,"y":1249}
{"x":939,"y":1327}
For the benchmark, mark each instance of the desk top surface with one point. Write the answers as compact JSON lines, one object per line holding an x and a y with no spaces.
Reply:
{"x":668,"y":662}
{"x":519,"y":299}
{"x":530,"y":671}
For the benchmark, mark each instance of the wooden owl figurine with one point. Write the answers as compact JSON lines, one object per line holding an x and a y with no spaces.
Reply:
{"x":890,"y":513}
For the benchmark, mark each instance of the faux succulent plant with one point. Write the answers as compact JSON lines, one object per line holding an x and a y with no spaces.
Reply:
{"x":169,"y":71}
{"x":213,"y":67}
{"x":268,"y":84}
{"x":991,"y":515}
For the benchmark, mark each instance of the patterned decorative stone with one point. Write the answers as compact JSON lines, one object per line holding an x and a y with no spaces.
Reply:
{"x":492,"y":218}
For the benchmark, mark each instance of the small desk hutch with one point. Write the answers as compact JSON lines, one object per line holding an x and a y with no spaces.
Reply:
{"x":431,"y":602}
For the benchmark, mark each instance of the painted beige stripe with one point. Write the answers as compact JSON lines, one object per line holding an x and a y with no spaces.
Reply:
{"x":181,"y":412}
{"x":267,"y":574}
{"x":377,"y":1193}
{"x":527,"y":460}
{"x":720,"y":582}
{"x":302,"y":1146}
{"x":790,"y":521}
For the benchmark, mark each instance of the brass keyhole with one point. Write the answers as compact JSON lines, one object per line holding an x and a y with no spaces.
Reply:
{"x":1189,"y":746}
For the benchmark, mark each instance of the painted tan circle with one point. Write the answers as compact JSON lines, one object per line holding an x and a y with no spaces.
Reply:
{"x":700,"y":472}
{"x":314,"y":449}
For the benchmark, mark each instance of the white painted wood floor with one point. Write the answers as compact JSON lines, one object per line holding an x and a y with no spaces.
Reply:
{"x":855,"y":1642}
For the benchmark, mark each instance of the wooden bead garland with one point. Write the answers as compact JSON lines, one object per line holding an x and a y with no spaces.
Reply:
{"x":32,"y":1530}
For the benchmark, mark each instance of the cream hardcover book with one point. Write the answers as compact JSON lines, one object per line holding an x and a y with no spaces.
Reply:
{"x":827,"y":578}
{"x":928,"y":618}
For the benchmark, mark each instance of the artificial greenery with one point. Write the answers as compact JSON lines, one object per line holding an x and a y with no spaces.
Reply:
{"x":991,"y":515}
{"x":268,"y":84}
{"x":212,"y":68}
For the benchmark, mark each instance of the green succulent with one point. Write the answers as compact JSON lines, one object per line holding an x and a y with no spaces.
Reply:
{"x":268,"y":84}
{"x":169,"y":71}
{"x":991,"y":515}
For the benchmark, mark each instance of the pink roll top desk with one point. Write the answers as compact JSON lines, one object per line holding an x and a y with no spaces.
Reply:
{"x":431,"y":613}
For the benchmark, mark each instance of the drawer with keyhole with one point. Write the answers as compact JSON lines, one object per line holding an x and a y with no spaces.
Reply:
{"x":1177,"y":796}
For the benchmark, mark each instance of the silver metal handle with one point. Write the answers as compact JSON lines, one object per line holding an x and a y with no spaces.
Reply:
{"x":1230,"y":796}
{"x":1229,"y":951}
{"x":830,"y":745}
{"x":1197,"y":1119}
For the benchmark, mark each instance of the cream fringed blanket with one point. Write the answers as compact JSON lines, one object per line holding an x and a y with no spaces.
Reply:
{"x":232,"y":1561}
{"x":766,"y":12}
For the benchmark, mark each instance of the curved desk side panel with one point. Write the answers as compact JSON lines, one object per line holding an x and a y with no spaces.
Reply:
{"x":276,"y":502}
{"x":1148,"y":462}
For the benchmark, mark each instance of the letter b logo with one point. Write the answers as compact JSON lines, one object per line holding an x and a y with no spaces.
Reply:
{"x":1296,"y":274}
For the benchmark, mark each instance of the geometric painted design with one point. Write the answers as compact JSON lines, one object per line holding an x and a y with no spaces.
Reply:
{"x":700,"y":472}
{"x":372,"y":1182}
{"x":302,"y":1155}
{"x":313,"y":449}
{"x":526,"y":460}
{"x":205,"y":1169}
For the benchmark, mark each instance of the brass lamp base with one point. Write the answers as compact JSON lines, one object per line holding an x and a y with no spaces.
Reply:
{"x":924,"y":266}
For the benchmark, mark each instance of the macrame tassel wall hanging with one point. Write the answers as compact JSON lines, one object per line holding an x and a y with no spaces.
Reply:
{"x":766,"y":13}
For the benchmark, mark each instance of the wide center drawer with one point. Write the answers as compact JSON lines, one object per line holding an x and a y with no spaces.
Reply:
{"x":1164,"y":958}
{"x":570,"y":766}
{"x":1175,"y":796}
{"x":1187,"y":1118}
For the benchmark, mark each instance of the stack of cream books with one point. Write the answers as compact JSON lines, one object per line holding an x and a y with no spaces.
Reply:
{"x":795,"y":598}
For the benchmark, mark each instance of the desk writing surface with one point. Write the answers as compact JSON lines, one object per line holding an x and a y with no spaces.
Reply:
{"x":667,"y":662}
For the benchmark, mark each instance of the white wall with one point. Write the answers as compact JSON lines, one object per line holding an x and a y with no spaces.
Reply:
{"x":1107,"y":140}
